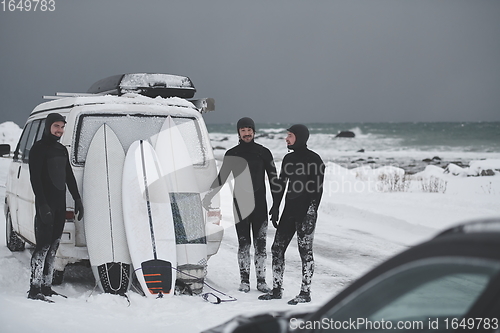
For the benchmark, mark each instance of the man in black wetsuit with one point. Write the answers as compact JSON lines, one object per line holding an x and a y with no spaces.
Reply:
{"x":50,"y":171}
{"x":258,"y":160}
{"x":304,"y":172}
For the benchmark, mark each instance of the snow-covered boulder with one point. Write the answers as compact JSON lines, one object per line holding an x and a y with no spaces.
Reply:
{"x":455,"y":170}
{"x":484,"y":167}
{"x":10,"y":133}
{"x":429,"y":171}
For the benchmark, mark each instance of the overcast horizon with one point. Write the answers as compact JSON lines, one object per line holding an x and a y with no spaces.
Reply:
{"x":280,"y":61}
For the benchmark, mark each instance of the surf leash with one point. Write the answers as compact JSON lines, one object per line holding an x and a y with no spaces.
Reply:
{"x":218,"y":300}
{"x":210,"y":296}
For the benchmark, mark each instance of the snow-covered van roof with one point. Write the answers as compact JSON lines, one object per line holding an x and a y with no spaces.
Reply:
{"x":198,"y":106}
{"x":158,"y":90}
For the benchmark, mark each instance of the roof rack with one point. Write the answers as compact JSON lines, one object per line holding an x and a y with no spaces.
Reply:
{"x":147,"y":84}
{"x":60,"y":95}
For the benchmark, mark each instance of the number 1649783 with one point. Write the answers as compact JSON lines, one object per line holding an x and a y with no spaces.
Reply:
{"x":28,"y":5}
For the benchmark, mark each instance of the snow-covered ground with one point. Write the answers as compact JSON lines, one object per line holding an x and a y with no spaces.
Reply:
{"x":361,"y":223}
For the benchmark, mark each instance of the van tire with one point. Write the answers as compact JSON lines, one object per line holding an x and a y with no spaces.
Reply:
{"x":14,"y":243}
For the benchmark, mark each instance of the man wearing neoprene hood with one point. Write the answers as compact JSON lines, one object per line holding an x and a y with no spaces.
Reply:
{"x":303,"y":171}
{"x":248,"y":156}
{"x":50,"y":172}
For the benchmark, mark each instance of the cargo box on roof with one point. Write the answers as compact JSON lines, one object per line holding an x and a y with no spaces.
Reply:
{"x":151,"y":85}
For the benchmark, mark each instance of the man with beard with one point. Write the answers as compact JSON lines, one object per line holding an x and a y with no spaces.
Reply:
{"x":303,"y":171}
{"x":254,"y":158}
{"x":50,"y":172}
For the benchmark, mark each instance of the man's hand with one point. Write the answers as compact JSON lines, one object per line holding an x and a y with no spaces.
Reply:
{"x":79,"y":209}
{"x":274,"y":212}
{"x":46,"y":215}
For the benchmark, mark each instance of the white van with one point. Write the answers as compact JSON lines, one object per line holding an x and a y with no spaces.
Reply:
{"x":135,"y":106}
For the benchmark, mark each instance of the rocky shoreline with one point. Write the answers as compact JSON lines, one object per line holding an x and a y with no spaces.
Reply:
{"x":411,"y":166}
{"x":359,"y":158}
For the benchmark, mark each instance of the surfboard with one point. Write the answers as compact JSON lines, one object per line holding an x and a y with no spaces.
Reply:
{"x":187,"y":211}
{"x":148,"y":221}
{"x":102,"y":199}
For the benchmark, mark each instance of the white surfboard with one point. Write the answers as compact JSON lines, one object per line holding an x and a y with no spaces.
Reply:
{"x":187,"y":210}
{"x":148,"y":221}
{"x":102,"y":199}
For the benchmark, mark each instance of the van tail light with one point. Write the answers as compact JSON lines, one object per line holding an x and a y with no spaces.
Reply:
{"x":70,"y":215}
{"x":214,"y":216}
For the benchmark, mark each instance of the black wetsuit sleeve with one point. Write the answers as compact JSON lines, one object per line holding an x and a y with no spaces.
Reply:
{"x":281,"y":184}
{"x":71,"y":181}
{"x":318,"y":178}
{"x":36,"y":162}
{"x":222,"y":176}
{"x":272,"y":174}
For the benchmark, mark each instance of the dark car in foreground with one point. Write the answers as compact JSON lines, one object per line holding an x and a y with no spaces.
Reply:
{"x":449,"y":283}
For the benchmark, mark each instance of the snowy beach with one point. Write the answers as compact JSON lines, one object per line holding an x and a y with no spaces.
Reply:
{"x":369,"y":212}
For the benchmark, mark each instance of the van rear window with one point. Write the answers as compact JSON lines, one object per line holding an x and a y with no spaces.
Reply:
{"x":130,"y":128}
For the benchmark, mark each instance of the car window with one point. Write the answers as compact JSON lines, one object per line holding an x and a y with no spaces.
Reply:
{"x":18,"y":154}
{"x":40,"y":130}
{"x":416,"y":296}
{"x":192,"y":135}
{"x":33,"y":134}
{"x":130,"y":128}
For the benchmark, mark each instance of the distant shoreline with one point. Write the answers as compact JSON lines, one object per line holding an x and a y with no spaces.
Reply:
{"x":411,"y":166}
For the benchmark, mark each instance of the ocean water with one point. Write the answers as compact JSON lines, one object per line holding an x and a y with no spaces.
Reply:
{"x":411,"y":146}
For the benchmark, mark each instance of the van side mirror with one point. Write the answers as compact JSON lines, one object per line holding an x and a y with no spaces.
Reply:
{"x":4,"y":149}
{"x":204,"y":105}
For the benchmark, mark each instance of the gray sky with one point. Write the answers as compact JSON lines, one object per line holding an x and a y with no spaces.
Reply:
{"x":275,"y":61}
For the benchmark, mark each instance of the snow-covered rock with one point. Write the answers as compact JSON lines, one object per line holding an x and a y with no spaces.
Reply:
{"x":10,"y":133}
{"x":479,"y":168}
{"x":455,"y":170}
